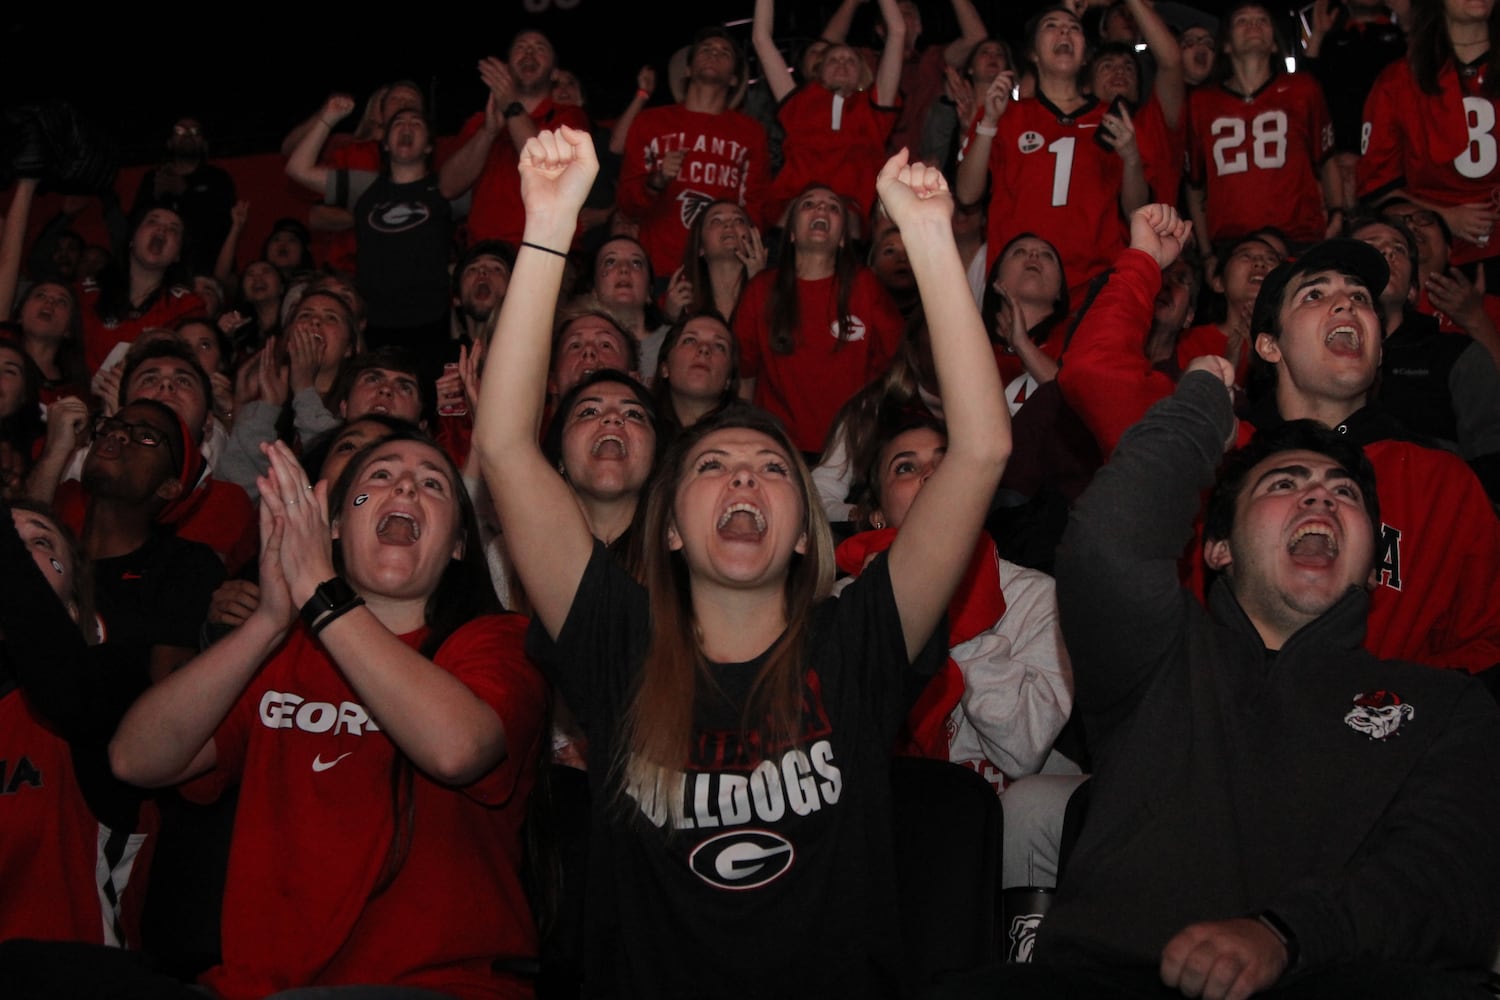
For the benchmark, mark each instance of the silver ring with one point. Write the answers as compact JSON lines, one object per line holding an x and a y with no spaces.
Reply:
{"x":308,"y":486}
{"x":291,"y":503}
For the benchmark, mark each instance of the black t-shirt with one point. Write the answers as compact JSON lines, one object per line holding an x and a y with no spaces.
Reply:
{"x":158,"y":594}
{"x":761,"y":871}
{"x":404,"y":234}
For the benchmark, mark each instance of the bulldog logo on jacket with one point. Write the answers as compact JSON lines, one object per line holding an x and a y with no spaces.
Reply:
{"x":1378,"y":714}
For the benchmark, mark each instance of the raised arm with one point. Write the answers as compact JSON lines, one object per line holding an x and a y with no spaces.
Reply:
{"x":12,"y":242}
{"x":460,"y":170}
{"x":762,"y":35}
{"x":974,"y":168}
{"x":1170,"y":86}
{"x":1106,"y":376}
{"x":224,"y":265}
{"x":1118,"y":594}
{"x":933,"y":549}
{"x":302,"y":166}
{"x":1119,"y":132}
{"x":971,"y":32}
{"x":645,"y":86}
{"x":548,"y":537}
{"x":837,"y":28}
{"x":888,"y":72}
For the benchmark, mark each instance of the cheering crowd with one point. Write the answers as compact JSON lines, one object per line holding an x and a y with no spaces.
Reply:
{"x":1110,"y":413}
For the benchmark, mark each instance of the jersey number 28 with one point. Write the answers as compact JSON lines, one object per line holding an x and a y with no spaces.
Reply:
{"x":1267,"y":145}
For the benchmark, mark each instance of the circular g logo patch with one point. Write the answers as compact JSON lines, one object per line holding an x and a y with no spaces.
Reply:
{"x":744,"y":859}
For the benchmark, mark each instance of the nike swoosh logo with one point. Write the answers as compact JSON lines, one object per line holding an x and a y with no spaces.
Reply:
{"x":321,"y":765}
{"x":1095,"y":125}
{"x":131,"y":576}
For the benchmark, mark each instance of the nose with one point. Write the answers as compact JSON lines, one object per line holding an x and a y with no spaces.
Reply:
{"x":743,"y":476}
{"x":1317,"y":493}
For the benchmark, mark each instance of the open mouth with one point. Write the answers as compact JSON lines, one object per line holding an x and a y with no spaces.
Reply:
{"x":1313,"y":544}
{"x":1344,"y":340}
{"x":398,"y":528}
{"x":609,"y":446}
{"x":742,"y":520}
{"x":819,"y":226}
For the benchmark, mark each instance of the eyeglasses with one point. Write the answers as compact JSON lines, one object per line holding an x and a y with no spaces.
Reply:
{"x":186,"y":130}
{"x":141,"y":434}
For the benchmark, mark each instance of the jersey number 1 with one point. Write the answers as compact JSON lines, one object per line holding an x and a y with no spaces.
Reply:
{"x":1062,"y":170}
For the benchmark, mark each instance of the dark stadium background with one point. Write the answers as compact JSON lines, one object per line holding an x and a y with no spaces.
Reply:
{"x":250,"y":74}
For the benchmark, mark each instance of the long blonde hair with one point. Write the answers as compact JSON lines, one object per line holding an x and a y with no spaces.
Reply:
{"x":657,"y":730}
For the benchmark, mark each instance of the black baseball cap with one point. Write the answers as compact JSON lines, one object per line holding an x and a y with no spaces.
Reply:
{"x":1342,"y":255}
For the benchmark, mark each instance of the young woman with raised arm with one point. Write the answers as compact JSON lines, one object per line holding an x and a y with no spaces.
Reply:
{"x":740,"y":722}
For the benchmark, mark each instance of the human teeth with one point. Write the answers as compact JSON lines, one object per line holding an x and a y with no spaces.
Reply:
{"x":608,"y":439}
{"x":1348,"y":333}
{"x":1314,"y":537}
{"x":743,"y":508}
{"x":399,"y":526}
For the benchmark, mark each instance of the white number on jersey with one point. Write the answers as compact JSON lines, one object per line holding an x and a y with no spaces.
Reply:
{"x":1479,"y":159}
{"x":1062,"y":170}
{"x":1267,"y":146}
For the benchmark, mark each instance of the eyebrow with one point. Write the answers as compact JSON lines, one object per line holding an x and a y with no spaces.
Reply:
{"x":394,"y":456}
{"x":1337,"y":472}
{"x":1326,"y":278}
{"x":941,"y":449}
{"x":774,"y":452}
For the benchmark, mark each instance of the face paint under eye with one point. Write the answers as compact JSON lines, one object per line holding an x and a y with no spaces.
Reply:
{"x":57,"y":567}
{"x":359,"y":501}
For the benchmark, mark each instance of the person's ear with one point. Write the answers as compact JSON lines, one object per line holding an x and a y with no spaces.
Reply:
{"x":801,"y":547}
{"x":1217,"y":556}
{"x":674,"y":540}
{"x":1268,"y":347}
{"x":170,"y":490}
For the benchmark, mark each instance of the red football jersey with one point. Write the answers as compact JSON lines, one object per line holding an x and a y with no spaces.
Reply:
{"x":830,"y":140}
{"x":1258,"y":157}
{"x":1441,"y":149}
{"x":1050,"y":177}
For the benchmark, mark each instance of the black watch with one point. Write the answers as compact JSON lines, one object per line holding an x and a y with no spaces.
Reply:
{"x":330,"y":595}
{"x":514,"y":108}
